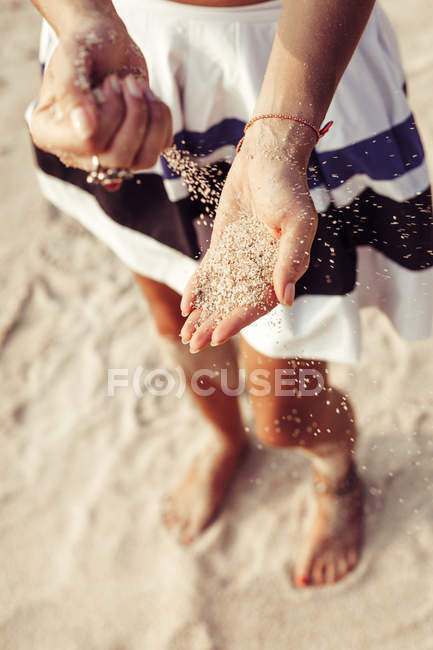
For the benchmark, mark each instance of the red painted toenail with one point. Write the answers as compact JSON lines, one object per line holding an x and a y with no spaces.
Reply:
{"x":303,"y":580}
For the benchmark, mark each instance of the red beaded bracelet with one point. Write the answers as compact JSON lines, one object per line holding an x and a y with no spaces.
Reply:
{"x":286,"y":116}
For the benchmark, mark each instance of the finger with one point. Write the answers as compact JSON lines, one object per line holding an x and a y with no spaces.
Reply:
{"x":159,"y":133}
{"x":189,"y":295}
{"x":190,"y":326}
{"x":202,"y":335}
{"x":293,"y":255}
{"x":53,"y":130}
{"x":111,"y":112}
{"x":240,"y":318}
{"x":77,"y":162}
{"x":66,"y":116}
{"x":127,"y":141}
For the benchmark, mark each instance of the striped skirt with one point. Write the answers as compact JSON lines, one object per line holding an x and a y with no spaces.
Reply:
{"x":368,"y":176}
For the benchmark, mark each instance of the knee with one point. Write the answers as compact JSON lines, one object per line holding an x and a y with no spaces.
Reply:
{"x":278,"y":434}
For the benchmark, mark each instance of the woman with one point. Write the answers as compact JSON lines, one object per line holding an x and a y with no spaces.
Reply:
{"x":215,"y":65}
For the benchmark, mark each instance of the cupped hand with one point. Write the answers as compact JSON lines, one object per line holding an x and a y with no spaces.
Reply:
{"x":267,"y":179}
{"x":95,"y":99}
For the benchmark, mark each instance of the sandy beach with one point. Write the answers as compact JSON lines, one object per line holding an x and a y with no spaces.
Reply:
{"x":85,"y":561}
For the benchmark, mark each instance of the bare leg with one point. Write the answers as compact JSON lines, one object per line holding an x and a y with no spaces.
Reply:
{"x":323,"y":427}
{"x":194,"y":502}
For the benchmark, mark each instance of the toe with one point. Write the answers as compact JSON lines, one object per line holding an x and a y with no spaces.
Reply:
{"x":318,"y":572}
{"x":301,"y":580}
{"x":302,"y":572}
{"x":169,"y":518}
{"x":186,"y":533}
{"x":167,"y":515}
{"x":352,"y":559}
{"x":330,"y":571}
{"x":341,"y":567}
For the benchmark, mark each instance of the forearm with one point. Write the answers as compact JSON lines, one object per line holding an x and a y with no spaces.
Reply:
{"x":64,"y":15}
{"x":314,"y":42}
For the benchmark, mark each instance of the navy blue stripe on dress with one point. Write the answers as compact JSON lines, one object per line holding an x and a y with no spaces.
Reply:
{"x":383,"y":157}
{"x":197,"y":143}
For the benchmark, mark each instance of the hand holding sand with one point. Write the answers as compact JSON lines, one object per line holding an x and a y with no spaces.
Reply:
{"x":264,"y":227}
{"x":95,"y":99}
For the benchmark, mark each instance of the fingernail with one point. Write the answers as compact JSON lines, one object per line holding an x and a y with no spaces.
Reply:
{"x":133,"y":86}
{"x":216,"y":342}
{"x":115,"y":84}
{"x":149,"y":94}
{"x":303,"y":580}
{"x":193,"y":350}
{"x":82,"y":122}
{"x":289,"y":294}
{"x":112,"y":187}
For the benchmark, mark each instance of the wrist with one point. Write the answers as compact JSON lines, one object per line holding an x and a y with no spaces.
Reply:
{"x":82,"y":15}
{"x":279,"y":139}
{"x":93,"y":30}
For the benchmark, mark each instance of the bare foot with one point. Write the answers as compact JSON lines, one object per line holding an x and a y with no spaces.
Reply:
{"x":332,"y":548}
{"x":192,"y":505}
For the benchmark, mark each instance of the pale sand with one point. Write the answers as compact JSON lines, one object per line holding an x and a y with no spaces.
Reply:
{"x":85,"y":561}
